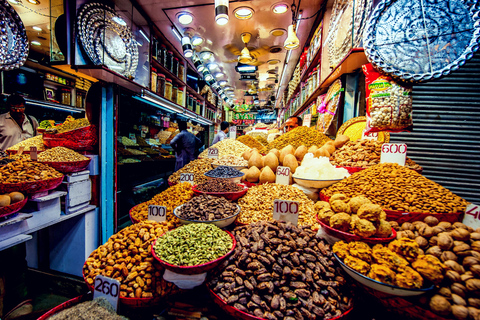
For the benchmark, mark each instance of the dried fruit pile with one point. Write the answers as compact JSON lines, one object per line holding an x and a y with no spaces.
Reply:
{"x":252,"y":143}
{"x":280,"y":271}
{"x":207,"y":208}
{"x":197,"y":167}
{"x":36,"y":141}
{"x":297,"y":137}
{"x":227,"y":147}
{"x":27,"y":171}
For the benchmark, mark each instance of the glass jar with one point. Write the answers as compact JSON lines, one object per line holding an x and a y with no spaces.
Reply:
{"x":174,"y":94}
{"x":315,"y":78}
{"x":190,"y":102}
{"x":181,"y":70}
{"x":162,"y":55}
{"x":168,"y":89}
{"x":79,"y":100}
{"x":175,"y":66}
{"x":161,"y":84}
{"x":198,"y":108}
{"x":153,"y":83}
{"x":180,"y":96}
{"x":155,"y":49}
{"x":66,"y":96}
{"x":169,"y":61}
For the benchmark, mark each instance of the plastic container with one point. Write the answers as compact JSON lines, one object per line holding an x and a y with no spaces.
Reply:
{"x":168,"y":89}
{"x":174,"y":94}
{"x":169,"y":61}
{"x":161,"y":84}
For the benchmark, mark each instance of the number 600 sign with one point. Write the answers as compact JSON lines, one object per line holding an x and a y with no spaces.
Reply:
{"x":107,"y":288}
{"x":394,"y":153}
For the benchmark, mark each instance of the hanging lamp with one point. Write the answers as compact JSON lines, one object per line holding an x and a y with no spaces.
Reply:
{"x":187,"y":47}
{"x":292,"y":41}
{"x":221,"y":12}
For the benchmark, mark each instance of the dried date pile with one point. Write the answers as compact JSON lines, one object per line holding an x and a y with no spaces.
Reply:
{"x":280,"y":271}
{"x":207,"y":208}
{"x":219,"y":185}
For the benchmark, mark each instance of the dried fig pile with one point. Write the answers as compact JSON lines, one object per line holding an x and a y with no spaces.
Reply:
{"x":280,"y":271}
{"x":458,"y":247}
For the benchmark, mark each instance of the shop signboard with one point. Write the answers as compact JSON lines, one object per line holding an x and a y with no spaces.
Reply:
{"x":285,"y":210}
{"x":394,"y":153}
{"x":107,"y":288}
{"x":243,"y":119}
{"x":157,"y":213}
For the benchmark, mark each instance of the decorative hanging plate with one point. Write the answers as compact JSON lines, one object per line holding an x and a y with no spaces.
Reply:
{"x":107,"y":39}
{"x":354,"y":127}
{"x":419,"y":40}
{"x":13,"y":38}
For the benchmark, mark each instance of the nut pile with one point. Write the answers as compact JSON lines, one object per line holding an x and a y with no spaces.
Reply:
{"x":128,"y":142}
{"x":69,"y":126}
{"x":357,"y":215}
{"x":397,"y":188}
{"x":193,"y":244}
{"x":280,"y":271}
{"x":27,"y":171}
{"x":224,"y":172}
{"x":363,"y":154}
{"x":170,"y":198}
{"x":299,"y":136}
{"x":36,"y":141}
{"x":60,"y":154}
{"x":458,"y":247}
{"x":227,"y":147}
{"x":98,"y":308}
{"x":207,"y":208}
{"x":401,"y":263}
{"x":219,"y":185}
{"x":257,"y":204}
{"x":250,"y":141}
{"x":197,"y":167}
{"x":127,"y":257}
{"x":230,"y":160}
{"x":135,"y":152}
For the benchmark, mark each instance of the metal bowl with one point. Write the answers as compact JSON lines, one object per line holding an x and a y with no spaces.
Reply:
{"x":221,"y":223}
{"x":312,"y":183}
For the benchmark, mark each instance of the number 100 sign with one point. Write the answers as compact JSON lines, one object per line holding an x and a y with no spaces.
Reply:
{"x":285,"y":210}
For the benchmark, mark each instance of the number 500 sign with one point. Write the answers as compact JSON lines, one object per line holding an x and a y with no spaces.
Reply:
{"x":394,"y":153}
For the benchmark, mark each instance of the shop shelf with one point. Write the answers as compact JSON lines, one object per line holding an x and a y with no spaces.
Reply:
{"x":167,"y":73}
{"x":195,"y":93}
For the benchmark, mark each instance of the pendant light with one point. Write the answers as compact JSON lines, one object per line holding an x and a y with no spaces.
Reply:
{"x":221,"y":12}
{"x":187,"y":47}
{"x":198,"y":63}
{"x":292,"y":41}
{"x":245,"y":56}
{"x":207,"y":75}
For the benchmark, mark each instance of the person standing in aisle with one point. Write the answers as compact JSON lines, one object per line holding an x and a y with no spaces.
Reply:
{"x":15,"y":125}
{"x":292,"y":123}
{"x":185,"y":144}
{"x":223,"y":132}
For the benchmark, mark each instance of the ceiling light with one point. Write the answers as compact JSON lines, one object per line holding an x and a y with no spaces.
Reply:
{"x":197,"y":40}
{"x":271,"y":78}
{"x":222,"y":83}
{"x":278,"y":32}
{"x":187,"y":47}
{"x":37,"y":28}
{"x":245,"y":68}
{"x":221,"y":12}
{"x":176,"y":33}
{"x":184,"y":17}
{"x":143,"y":34}
{"x":243,"y":13}
{"x":36,"y":2}
{"x":206,"y":55}
{"x":206,"y":75}
{"x":15,"y":1}
{"x":119,"y":20}
{"x":35,"y":43}
{"x":292,"y":41}
{"x":280,"y":8}
{"x":198,"y":64}
{"x":219,"y":75}
{"x":212,"y":66}
{"x":245,"y":56}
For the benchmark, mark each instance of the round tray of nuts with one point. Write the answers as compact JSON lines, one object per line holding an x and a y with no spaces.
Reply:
{"x":70,"y":166}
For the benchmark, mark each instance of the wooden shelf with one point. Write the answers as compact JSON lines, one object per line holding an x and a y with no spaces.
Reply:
{"x":195,"y":93}
{"x":353,"y":61}
{"x":167,"y":73}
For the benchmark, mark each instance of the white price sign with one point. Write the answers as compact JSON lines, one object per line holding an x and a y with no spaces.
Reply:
{"x":33,"y":153}
{"x":282,"y":175}
{"x":307,"y":120}
{"x":394,"y":153}
{"x":157,"y":213}
{"x":107,"y":288}
{"x":472,"y":216}
{"x":187,"y":177}
{"x":284,"y":210}
{"x":132,"y":136}
{"x":20,"y":150}
{"x":369,"y":136}
{"x":233,"y":132}
{"x":213,"y":153}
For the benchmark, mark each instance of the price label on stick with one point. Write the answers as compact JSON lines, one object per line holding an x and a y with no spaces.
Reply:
{"x":20,"y":150}
{"x":213,"y":153}
{"x":233,"y":132}
{"x":284,"y":210}
{"x":369,"y":136}
{"x":307,"y":120}
{"x":107,"y":288}
{"x":132,"y":137}
{"x":187,"y":177}
{"x":157,"y":213}
{"x":394,"y":153}
{"x":283,"y":175}
{"x":33,"y":153}
{"x":472,"y":216}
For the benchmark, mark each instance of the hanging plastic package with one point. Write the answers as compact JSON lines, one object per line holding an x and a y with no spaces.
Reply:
{"x":389,"y":103}
{"x":184,"y":281}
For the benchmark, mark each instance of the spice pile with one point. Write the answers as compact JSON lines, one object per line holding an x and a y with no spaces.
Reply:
{"x":193,"y":244}
{"x":207,"y":208}
{"x":170,"y":198}
{"x":127,"y":257}
{"x":280,"y":271}
{"x":299,"y":136}
{"x":197,"y":167}
{"x":397,"y":188}
{"x":219,"y":185}
{"x":98,"y":308}
{"x":128,"y":142}
{"x":230,"y":161}
{"x":60,"y":154}
{"x":252,"y":143}
{"x":36,"y":141}
{"x":69,"y":126}
{"x":227,"y":147}
{"x":257,"y":204}
{"x":224,"y":172}
{"x":27,"y":171}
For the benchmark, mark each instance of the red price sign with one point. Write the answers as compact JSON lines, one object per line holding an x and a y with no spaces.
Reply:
{"x":107,"y":288}
{"x":283,"y":175}
{"x":284,"y":210}
{"x":187,"y":177}
{"x":369,"y":136}
{"x":33,"y":153}
{"x":157,"y":213}
{"x":394,"y":153}
{"x":213,"y":153}
{"x":472,"y":216}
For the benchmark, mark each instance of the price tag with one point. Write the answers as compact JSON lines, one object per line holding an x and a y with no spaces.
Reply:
{"x":20,"y":150}
{"x":143,"y":134}
{"x":157,"y":213}
{"x":369,"y":136}
{"x":33,"y":153}
{"x":187,"y":177}
{"x":213,"y":153}
{"x":107,"y":288}
{"x":283,"y":175}
{"x":233,"y":132}
{"x":307,"y":120}
{"x":394,"y":153}
{"x":472,"y":216}
{"x":284,"y":210}
{"x":132,"y":136}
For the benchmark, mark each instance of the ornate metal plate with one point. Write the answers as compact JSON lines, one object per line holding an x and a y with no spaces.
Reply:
{"x":420,"y":40}
{"x":106,"y":41}
{"x":13,"y":38}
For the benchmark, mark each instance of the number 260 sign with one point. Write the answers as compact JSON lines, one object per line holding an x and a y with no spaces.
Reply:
{"x":107,"y":288}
